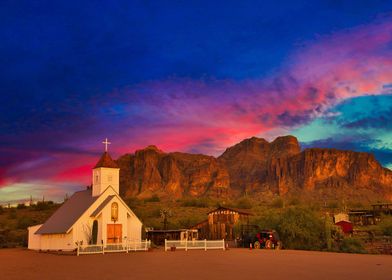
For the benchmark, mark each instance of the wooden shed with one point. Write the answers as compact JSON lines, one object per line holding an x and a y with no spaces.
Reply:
{"x":221,"y":223}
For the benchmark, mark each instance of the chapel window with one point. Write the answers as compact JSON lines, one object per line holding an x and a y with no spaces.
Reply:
{"x":114,"y":211}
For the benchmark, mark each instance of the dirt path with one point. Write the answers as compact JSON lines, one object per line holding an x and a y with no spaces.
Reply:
{"x":233,"y":264}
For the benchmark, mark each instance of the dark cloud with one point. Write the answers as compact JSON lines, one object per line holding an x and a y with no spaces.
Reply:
{"x":289,"y":119}
{"x":384,"y":121}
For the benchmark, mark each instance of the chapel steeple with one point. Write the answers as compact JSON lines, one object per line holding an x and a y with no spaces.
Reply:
{"x":105,"y":173}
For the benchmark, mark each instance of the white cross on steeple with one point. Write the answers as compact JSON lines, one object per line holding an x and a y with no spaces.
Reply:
{"x":106,"y":144}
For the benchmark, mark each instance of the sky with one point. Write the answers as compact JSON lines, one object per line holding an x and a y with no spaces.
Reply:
{"x":189,"y":76}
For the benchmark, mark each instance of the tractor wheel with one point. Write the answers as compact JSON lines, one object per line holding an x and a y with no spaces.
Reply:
{"x":268,"y":244}
{"x":257,"y":245}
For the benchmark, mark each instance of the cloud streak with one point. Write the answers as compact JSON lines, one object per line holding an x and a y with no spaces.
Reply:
{"x":199,"y":115}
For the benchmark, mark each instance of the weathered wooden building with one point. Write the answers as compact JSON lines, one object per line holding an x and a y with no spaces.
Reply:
{"x":221,"y":223}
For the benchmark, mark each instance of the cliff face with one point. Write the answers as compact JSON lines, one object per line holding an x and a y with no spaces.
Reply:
{"x":255,"y":166}
{"x":151,"y":171}
{"x":248,"y":161}
{"x":330,"y":172}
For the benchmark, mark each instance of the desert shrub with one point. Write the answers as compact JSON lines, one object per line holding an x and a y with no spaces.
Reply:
{"x":187,"y":222}
{"x":269,"y":219}
{"x":277,"y":203}
{"x":43,"y":205}
{"x":24,"y":222}
{"x":351,"y":245}
{"x":386,"y":225}
{"x":244,"y":203}
{"x":195,"y":202}
{"x":333,"y":205}
{"x":21,"y":206}
{"x":153,"y":198}
{"x":301,"y":228}
{"x":356,"y":205}
{"x":132,"y":202}
{"x":294,"y":201}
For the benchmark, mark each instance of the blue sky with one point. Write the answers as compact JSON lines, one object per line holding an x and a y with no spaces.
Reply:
{"x":192,"y":76}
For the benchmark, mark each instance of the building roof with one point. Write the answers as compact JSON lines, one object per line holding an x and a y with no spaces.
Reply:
{"x":102,"y":205}
{"x":106,"y":161}
{"x":64,"y":218}
{"x":240,"y":211}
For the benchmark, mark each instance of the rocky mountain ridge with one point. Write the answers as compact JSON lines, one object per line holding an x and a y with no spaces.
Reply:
{"x":256,"y":167}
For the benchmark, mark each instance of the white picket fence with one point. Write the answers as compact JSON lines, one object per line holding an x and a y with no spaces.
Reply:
{"x":114,"y":247}
{"x":195,"y":244}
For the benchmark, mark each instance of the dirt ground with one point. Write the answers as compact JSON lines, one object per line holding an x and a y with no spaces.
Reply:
{"x":232,"y":264}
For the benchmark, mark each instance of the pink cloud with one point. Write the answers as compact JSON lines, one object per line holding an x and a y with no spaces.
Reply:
{"x":208,"y":115}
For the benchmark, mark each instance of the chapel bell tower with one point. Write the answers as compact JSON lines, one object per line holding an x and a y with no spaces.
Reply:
{"x":105,"y":173}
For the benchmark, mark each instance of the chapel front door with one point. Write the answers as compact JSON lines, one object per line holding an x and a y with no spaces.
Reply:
{"x":114,"y":233}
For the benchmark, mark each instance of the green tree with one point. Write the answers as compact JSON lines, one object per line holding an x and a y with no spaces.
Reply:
{"x":386,"y":225}
{"x":301,"y":228}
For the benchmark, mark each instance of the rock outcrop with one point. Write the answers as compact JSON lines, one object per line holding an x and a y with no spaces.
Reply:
{"x":255,"y":166}
{"x":151,"y":171}
{"x":331,"y":173}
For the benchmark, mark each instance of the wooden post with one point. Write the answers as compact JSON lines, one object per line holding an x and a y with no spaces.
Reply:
{"x":165,"y":245}
{"x":205,"y":244}
{"x":223,"y":244}
{"x":77,"y":250}
{"x":186,"y":245}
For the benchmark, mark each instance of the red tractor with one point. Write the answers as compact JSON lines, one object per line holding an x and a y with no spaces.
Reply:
{"x":268,"y":239}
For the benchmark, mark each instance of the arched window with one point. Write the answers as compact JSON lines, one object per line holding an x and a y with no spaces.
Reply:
{"x":114,"y":211}
{"x":95,"y":232}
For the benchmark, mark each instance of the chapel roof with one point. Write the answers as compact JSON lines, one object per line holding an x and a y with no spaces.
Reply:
{"x":106,"y":161}
{"x":64,"y":218}
{"x":102,"y":205}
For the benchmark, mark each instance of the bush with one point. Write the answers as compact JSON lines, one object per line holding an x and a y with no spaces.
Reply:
{"x":132,"y":202}
{"x":21,"y":206}
{"x":294,"y":201}
{"x":195,"y":202}
{"x":154,"y":198}
{"x":187,"y":222}
{"x":270,"y":219}
{"x":333,"y":205}
{"x":386,"y":225}
{"x":24,"y":222}
{"x":277,"y":203}
{"x":300,"y":228}
{"x":244,"y":203}
{"x":43,"y":205}
{"x":1,"y":210}
{"x":351,"y":245}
